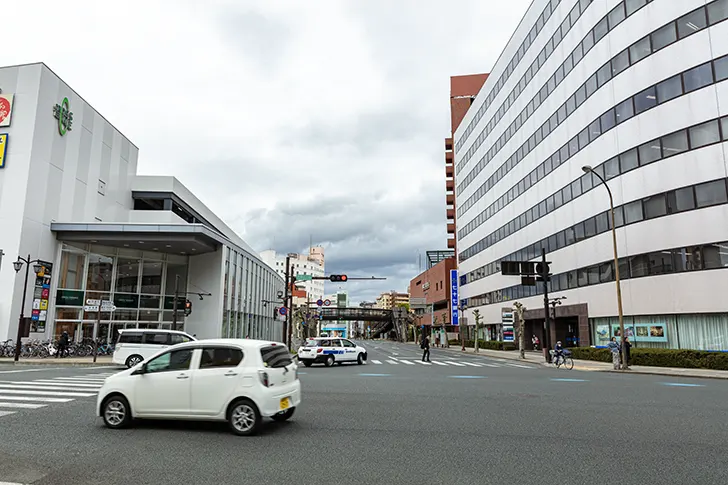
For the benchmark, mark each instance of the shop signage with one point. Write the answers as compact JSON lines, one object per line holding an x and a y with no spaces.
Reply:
{"x":643,"y":332}
{"x":66,"y":297}
{"x":3,"y":148}
{"x":40,"y":305}
{"x":62,"y":112}
{"x":126,"y":301}
{"x":6,"y":109}
{"x":169,"y":302}
{"x":507,"y":322}
{"x":454,"y":296}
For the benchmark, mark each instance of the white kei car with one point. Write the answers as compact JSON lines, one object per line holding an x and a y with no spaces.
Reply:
{"x":330,"y":350}
{"x":234,"y":380}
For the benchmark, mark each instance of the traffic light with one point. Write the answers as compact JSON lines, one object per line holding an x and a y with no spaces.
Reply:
{"x":338,"y":277}
{"x":543,"y":272}
{"x":188,"y":308}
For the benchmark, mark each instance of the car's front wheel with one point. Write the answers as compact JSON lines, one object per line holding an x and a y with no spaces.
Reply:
{"x":133,"y":360}
{"x":360,"y":359}
{"x":244,"y":417}
{"x":285,"y":415}
{"x":116,"y":412}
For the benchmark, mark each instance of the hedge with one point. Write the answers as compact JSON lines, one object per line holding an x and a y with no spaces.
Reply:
{"x":486,"y":344}
{"x":693,"y":359}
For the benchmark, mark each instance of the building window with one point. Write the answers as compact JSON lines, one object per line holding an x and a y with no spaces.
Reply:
{"x":645,"y":100}
{"x":664,"y":36}
{"x":680,"y":200}
{"x":633,"y":212}
{"x":691,"y":23}
{"x":704,"y":134}
{"x":711,"y":193}
{"x":715,"y":256}
{"x":640,"y":49}
{"x":669,"y":89}
{"x":674,"y":143}
{"x":654,"y":206}
{"x":717,"y":11}
{"x":698,"y":77}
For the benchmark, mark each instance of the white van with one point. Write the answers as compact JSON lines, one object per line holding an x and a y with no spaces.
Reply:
{"x":137,"y":344}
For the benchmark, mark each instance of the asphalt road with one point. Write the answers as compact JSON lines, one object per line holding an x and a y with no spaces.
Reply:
{"x":481,"y":422}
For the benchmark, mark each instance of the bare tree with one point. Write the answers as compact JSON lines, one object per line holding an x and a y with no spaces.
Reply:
{"x":520,"y":309}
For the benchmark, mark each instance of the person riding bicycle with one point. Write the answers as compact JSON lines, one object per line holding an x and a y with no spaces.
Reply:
{"x":558,"y":351}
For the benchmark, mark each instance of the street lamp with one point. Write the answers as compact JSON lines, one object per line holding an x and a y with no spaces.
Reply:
{"x":588,"y":169}
{"x":18,"y":265}
{"x":462,"y":309}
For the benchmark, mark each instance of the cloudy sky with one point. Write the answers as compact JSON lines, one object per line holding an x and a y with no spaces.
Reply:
{"x":291,"y":120}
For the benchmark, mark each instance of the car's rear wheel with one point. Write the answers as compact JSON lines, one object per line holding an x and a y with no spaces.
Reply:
{"x":116,"y":412}
{"x":329,"y":361}
{"x":133,"y":360}
{"x":360,"y":359}
{"x":285,"y":415}
{"x":307,"y":363}
{"x":244,"y":417}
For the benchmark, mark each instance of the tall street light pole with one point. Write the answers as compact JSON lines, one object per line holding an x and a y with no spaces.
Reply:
{"x":589,"y":169}
{"x":18,"y":265}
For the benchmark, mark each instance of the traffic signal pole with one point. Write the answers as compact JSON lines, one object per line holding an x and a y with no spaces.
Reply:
{"x":286,"y":295}
{"x":547,"y":325}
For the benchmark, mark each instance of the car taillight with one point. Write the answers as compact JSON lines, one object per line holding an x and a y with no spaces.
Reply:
{"x":318,"y":351}
{"x":263,"y":377}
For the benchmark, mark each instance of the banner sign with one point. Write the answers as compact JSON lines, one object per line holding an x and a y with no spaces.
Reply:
{"x":6,"y":109}
{"x":507,"y":322}
{"x":40,"y":304}
{"x":3,"y":148}
{"x":454,"y":296}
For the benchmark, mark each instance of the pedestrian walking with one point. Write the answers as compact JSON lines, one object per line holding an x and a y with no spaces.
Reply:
{"x":614,"y":347}
{"x":627,"y":352}
{"x":62,"y":344}
{"x":425,"y":346}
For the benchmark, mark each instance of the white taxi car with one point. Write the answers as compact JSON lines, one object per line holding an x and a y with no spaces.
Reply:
{"x":330,"y":350}
{"x":234,"y":380}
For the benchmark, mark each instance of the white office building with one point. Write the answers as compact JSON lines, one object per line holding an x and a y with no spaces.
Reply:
{"x":311,"y":264}
{"x":638,"y":90}
{"x":71,"y":199}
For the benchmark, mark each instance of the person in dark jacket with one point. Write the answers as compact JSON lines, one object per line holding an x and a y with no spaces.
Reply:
{"x":627,"y":356}
{"x":425,"y":346}
{"x":62,"y":344}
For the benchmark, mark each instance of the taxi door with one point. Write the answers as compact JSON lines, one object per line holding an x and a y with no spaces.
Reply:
{"x":349,"y":350}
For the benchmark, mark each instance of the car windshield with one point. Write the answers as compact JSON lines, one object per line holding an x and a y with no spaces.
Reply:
{"x":275,"y":356}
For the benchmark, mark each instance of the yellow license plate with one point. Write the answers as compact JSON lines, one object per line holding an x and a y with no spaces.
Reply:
{"x":285,"y":403}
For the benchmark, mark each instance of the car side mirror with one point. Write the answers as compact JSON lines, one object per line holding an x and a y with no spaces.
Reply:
{"x":141,"y":370}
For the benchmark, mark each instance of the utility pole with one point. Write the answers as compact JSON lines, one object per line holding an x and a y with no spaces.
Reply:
{"x":547,"y":325}
{"x":285,"y":298}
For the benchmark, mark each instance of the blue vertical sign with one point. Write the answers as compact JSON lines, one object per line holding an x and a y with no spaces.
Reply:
{"x":454,"y":296}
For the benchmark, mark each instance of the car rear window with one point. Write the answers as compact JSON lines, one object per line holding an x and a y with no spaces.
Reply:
{"x":275,"y":356}
{"x":130,"y":338}
{"x":310,"y":343}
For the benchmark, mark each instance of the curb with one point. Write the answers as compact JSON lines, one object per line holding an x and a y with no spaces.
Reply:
{"x":58,"y":364}
{"x":666,"y":374}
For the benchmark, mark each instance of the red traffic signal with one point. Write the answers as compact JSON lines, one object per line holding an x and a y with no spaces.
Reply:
{"x":338,"y":277}
{"x":188,"y":308}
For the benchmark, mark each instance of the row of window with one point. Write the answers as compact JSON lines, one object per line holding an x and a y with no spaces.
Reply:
{"x":610,"y":21}
{"x":669,"y":89}
{"x":525,"y":45}
{"x":688,"y":198}
{"x":651,"y":43}
{"x":667,"y":261}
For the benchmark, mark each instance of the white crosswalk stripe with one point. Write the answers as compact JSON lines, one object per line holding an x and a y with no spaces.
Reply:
{"x":521,"y":366}
{"x":454,"y":363}
{"x":40,"y":393}
{"x":423,"y":362}
{"x":471,"y":364}
{"x":392,"y":362}
{"x":406,"y":362}
{"x":438,"y":363}
{"x":376,"y":361}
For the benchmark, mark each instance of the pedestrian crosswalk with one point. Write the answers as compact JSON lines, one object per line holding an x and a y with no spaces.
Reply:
{"x":34,"y":394}
{"x":453,"y":363}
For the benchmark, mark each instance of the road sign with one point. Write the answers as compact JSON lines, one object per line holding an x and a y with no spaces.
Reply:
{"x":95,"y":308}
{"x":304,"y":277}
{"x":282,"y":311}
{"x":327,"y":302}
{"x":319,"y":302}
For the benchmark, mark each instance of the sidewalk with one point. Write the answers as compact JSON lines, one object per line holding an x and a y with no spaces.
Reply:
{"x":101,"y":360}
{"x":592,"y":366}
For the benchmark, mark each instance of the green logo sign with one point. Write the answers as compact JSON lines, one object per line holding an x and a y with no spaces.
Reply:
{"x":62,"y":112}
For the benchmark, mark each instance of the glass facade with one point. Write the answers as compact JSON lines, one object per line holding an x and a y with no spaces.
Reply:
{"x":140,"y":284}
